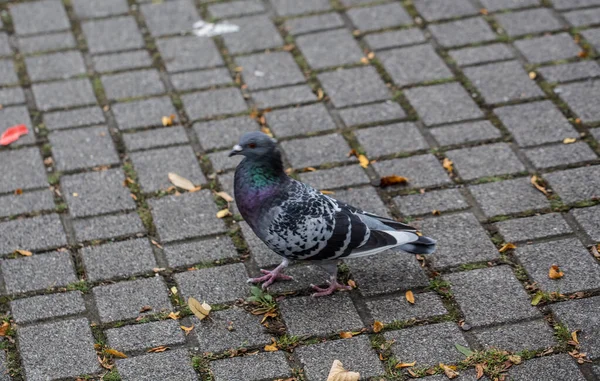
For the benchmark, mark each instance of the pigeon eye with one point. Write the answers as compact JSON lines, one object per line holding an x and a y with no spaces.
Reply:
{"x":252,"y":145}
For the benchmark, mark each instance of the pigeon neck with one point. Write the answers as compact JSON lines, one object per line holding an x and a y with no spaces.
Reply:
{"x":265,"y":173}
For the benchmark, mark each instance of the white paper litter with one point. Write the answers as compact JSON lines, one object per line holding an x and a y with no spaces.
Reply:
{"x":206,"y":29}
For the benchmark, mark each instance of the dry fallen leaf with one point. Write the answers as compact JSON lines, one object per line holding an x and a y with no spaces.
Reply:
{"x":574,"y":337}
{"x":537,"y":183}
{"x":271,"y":347}
{"x":320,"y":94}
{"x":327,"y":191}
{"x":392,"y":180}
{"x":267,"y":131}
{"x":364,"y":162}
{"x":569,"y":140}
{"x":436,"y":212}
{"x":310,"y":169}
{"x":187,"y":330}
{"x":201,"y":310}
{"x":582,"y":54}
{"x":168,"y":120}
{"x":223,"y":213}
{"x":377,"y":326}
{"x":18,"y":191}
{"x":174,"y":290}
{"x":532,"y":75}
{"x":4,"y":328}
{"x":145,"y":309}
{"x":174,"y":315}
{"x":346,"y":335}
{"x":24,"y":253}
{"x":448,"y":165}
{"x":338,"y":373}
{"x":507,"y":246}
{"x":449,"y":371}
{"x":402,"y":365}
{"x":115,"y":353}
{"x":515,"y":359}
{"x":156,"y":244}
{"x":352,"y":283}
{"x":181,"y":182}
{"x":555,"y":273}
{"x":225,"y":196}
{"x":410,"y":297}
{"x":162,"y":348}
{"x":479,"y":369}
{"x":483,"y":11}
{"x":595,"y":252}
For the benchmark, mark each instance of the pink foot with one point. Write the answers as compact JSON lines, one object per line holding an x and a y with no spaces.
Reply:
{"x":333,"y":286}
{"x":270,"y":277}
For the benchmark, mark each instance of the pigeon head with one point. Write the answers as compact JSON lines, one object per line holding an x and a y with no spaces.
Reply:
{"x":255,"y":145}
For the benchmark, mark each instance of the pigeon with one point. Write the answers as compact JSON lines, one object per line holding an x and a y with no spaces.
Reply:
{"x":300,"y":223}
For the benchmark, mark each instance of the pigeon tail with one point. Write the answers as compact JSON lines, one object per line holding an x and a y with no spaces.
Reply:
{"x":424,"y":245}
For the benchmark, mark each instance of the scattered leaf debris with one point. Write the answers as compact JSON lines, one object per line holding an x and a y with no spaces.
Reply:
{"x":201,"y":310}
{"x":363,"y":161}
{"x":324,"y":191}
{"x":115,"y":353}
{"x":223,"y":213}
{"x":145,"y":309}
{"x":448,"y":165}
{"x":402,"y":365}
{"x":569,"y":140}
{"x":346,"y":335}
{"x":225,"y":196}
{"x":352,"y":283}
{"x":392,"y":180}
{"x":507,"y":246}
{"x":24,"y":253}
{"x":4,"y":328}
{"x":182,"y":182}
{"x":449,"y":371}
{"x":377,"y":326}
{"x":161,"y":348}
{"x":174,"y":315}
{"x":187,"y":330}
{"x":18,"y":191}
{"x":271,"y":347}
{"x":12,"y":134}
{"x":555,"y":273}
{"x":410,"y":297}
{"x":168,"y":120}
{"x":538,"y":184}
{"x":338,"y":373}
{"x":537,"y":298}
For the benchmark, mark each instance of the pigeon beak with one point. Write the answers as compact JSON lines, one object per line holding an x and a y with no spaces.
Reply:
{"x":236,"y":150}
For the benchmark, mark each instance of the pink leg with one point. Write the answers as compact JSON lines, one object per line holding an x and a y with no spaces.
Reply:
{"x":272,"y":276}
{"x":334,"y":285}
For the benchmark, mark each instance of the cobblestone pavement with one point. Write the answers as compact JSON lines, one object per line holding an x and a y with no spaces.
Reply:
{"x":494,"y":86}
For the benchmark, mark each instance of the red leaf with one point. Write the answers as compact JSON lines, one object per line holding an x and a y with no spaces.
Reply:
{"x":12,"y":134}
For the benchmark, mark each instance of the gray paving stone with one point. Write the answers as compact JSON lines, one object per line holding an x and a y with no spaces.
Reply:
{"x":197,"y":209}
{"x":144,"y":336}
{"x":12,"y":204}
{"x":558,"y":367}
{"x":262,"y":255}
{"x":582,"y":314}
{"x":567,"y":4}
{"x":41,"y":307}
{"x":481,"y":54}
{"x":133,"y":84}
{"x":387,"y":272}
{"x":10,"y":116}
{"x":574,"y":185}
{"x":508,"y":197}
{"x":191,"y":253}
{"x":428,"y":345}
{"x":561,"y":154}
{"x":185,"y":53}
{"x":421,"y":171}
{"x":217,"y":284}
{"x":5,"y":49}
{"x":112,"y":35}
{"x":175,"y":365}
{"x":529,"y":22}
{"x":570,"y":71}
{"x":465,"y":133}
{"x":236,"y":8}
{"x":198,"y":80}
{"x":581,"y":271}
{"x":8,"y":74}
{"x":314,"y":23}
{"x":442,"y":201}
{"x":118,"y":259}
{"x":136,"y":59}
{"x":214,"y":102}
{"x":355,"y":354}
{"x":300,"y":120}
{"x":458,"y":233}
{"x":153,"y":167}
{"x":414,"y":64}
{"x":224,"y":133}
{"x":393,"y":39}
{"x":74,"y":118}
{"x":587,"y":218}
{"x":124,"y":300}
{"x":593,"y":37}
{"x":582,"y":98}
{"x":496,"y":5}
{"x":89,"y":9}
{"x":292,"y":7}
{"x":74,"y":92}
{"x":379,"y":17}
{"x":144,"y":113}
{"x":462,"y":32}
{"x":531,"y":335}
{"x":535,"y":123}
{"x":37,"y":233}
{"x":46,"y":42}
{"x":491,"y":296}
{"x":327,"y":49}
{"x":433,"y":10}
{"x":259,"y":34}
{"x":396,"y":308}
{"x":443,"y":103}
{"x":22,"y":169}
{"x":583,"y":17}
{"x":222,"y":162}
{"x":595,"y":133}
{"x":292,"y":95}
{"x":82,"y":148}
{"x":304,"y":315}
{"x":548,"y":48}
{"x":338,"y":177}
{"x":350,"y":3}
{"x":261,"y":366}
{"x":523,"y":229}
{"x":92,"y":193}
{"x":55,"y":66}
{"x":214,"y":336}
{"x":365,"y":198}
{"x":39,"y":17}
{"x":503,"y":82}
{"x":317,"y":150}
{"x":11,"y":96}
{"x":155,"y":138}
{"x":107,"y":227}
{"x":378,"y":112}
{"x":265,"y":70}
{"x":38,"y":272}
{"x":304,"y":278}
{"x":354,"y":86}
{"x":58,"y":350}
{"x":376,"y":140}
{"x":490,"y":160}
{"x":173,"y":17}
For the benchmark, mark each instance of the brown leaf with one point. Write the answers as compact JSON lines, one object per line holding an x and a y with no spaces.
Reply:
{"x":377,"y":326}
{"x":145,"y":309}
{"x":352,"y":283}
{"x":310,"y":169}
{"x":448,"y":165}
{"x":449,"y":371}
{"x":104,"y":363}
{"x":569,"y":140}
{"x":582,"y":54}
{"x":346,"y":335}
{"x":181,"y":182}
{"x":338,"y":373}
{"x":363,"y":161}
{"x":595,"y":252}
{"x":115,"y":353}
{"x":156,"y":244}
{"x":201,"y":310}
{"x":392,"y":180}
{"x":162,"y":348}
{"x":225,"y":196}
{"x":436,"y":212}
{"x":536,"y":182}
{"x":174,"y":315}
{"x":410,"y":297}
{"x":555,"y":273}
{"x":187,"y":330}
{"x":352,"y":153}
{"x":479,"y":369}
{"x":271,"y":347}
{"x":19,"y":191}
{"x":168,"y":120}
{"x":223,"y":213}
{"x":24,"y":253}
{"x":483,"y":11}
{"x":402,"y":365}
{"x":507,"y":246}
{"x":4,"y":328}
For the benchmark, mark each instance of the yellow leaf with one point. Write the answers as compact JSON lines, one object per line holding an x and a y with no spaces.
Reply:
{"x":507,"y":246}
{"x":377,"y":326}
{"x":532,"y":75}
{"x":271,"y":347}
{"x":225,"y":196}
{"x":448,"y":165}
{"x":223,"y":213}
{"x":536,"y":182}
{"x":410,"y":297}
{"x":201,"y":310}
{"x":181,"y":182}
{"x":115,"y":353}
{"x":320,"y":94}
{"x":4,"y":328}
{"x":569,"y":140}
{"x":555,"y":273}
{"x":174,"y":315}
{"x":338,"y":373}
{"x":574,"y":337}
{"x":265,"y":130}
{"x":168,"y":120}
{"x":327,"y":192}
{"x":174,"y":290}
{"x":449,"y":371}
{"x":187,"y":330}
{"x":364,"y":162}
{"x":392,"y":180}
{"x":346,"y":335}
{"x":402,"y":365}
{"x":24,"y":253}
{"x":162,"y":348}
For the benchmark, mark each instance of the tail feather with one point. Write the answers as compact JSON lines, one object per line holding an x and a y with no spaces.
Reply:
{"x":424,"y":245}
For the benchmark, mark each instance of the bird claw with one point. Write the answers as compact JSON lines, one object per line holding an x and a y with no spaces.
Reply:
{"x":269,"y":278}
{"x":333,"y":286}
